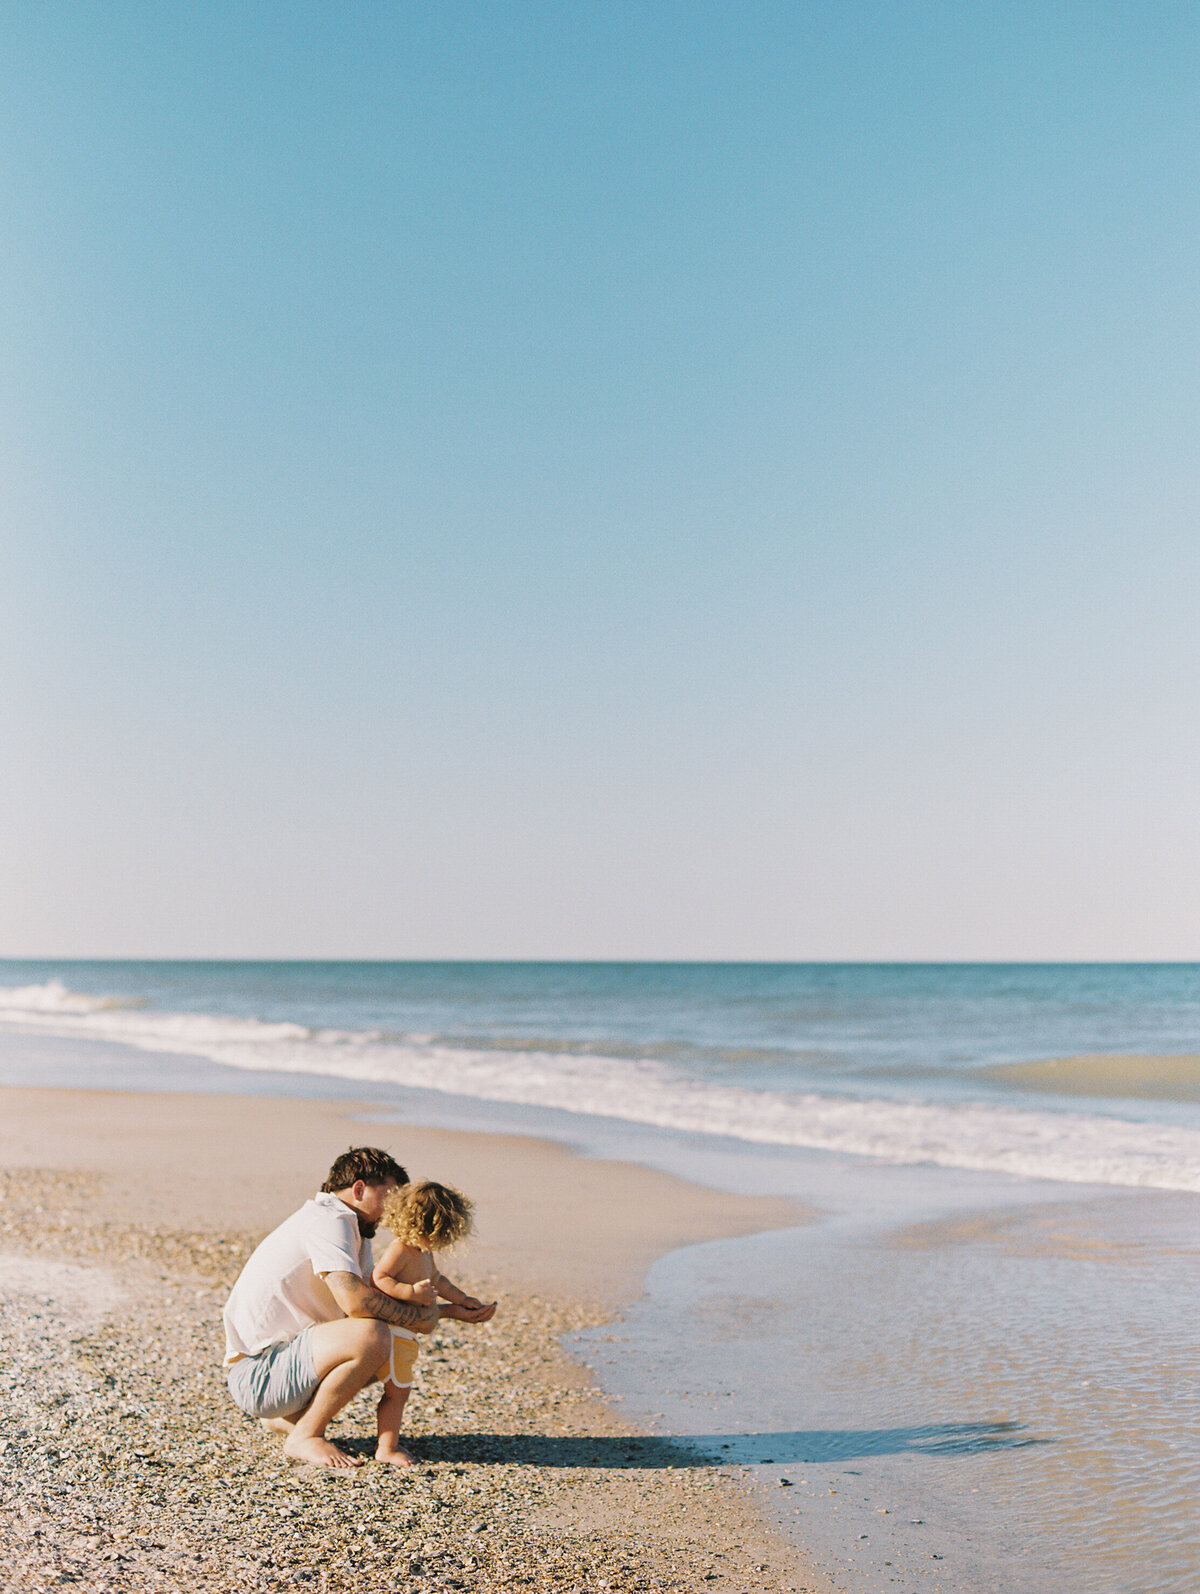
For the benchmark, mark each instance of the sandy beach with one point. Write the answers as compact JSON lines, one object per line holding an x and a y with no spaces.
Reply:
{"x":125,"y":1465}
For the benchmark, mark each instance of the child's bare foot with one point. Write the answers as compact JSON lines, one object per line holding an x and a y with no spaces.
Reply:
{"x":394,"y":1454}
{"x":318,"y":1453}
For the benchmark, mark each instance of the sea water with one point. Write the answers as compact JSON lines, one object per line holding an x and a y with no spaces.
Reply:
{"x":974,"y":1371}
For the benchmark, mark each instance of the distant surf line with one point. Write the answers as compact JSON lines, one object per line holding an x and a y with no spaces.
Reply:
{"x":1065,"y":1146}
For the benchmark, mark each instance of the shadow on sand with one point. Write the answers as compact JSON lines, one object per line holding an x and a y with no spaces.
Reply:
{"x":698,"y":1450}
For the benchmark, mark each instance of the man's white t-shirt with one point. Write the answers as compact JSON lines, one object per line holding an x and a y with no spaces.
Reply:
{"x":280,"y":1290}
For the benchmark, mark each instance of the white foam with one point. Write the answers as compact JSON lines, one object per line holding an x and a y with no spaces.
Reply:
{"x":52,"y":997}
{"x":1075,"y":1147}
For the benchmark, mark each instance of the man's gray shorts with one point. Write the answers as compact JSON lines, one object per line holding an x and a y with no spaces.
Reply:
{"x":279,"y":1381}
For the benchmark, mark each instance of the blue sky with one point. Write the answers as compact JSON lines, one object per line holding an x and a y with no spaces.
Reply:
{"x":640,"y":480}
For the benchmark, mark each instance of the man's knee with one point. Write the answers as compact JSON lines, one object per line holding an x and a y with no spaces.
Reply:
{"x":362,"y":1342}
{"x":374,"y":1340}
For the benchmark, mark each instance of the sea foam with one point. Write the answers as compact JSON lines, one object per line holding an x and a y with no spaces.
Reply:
{"x":1070,"y":1146}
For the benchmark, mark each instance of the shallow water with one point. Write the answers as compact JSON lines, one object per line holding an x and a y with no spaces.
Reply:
{"x":1020,"y":1379}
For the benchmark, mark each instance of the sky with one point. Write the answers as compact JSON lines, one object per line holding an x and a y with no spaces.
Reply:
{"x":625,"y":480}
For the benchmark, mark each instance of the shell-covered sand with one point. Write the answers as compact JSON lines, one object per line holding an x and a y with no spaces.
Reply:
{"x":124,"y":1465}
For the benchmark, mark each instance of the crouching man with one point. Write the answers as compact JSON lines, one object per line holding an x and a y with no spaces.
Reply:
{"x":305,"y":1329}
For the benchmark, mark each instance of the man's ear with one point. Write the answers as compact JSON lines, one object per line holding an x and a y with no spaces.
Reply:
{"x":358,"y":1189}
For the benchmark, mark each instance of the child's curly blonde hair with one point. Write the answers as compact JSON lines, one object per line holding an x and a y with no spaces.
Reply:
{"x":429,"y":1216}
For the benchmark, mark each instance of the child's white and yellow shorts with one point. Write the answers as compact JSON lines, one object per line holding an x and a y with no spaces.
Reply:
{"x":398,"y":1368}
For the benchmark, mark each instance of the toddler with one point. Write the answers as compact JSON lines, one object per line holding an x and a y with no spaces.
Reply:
{"x":424,"y":1217}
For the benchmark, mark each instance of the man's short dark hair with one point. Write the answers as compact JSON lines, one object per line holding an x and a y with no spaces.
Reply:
{"x":367,"y":1163}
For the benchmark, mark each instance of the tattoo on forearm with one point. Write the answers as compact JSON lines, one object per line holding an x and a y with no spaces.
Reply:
{"x":389,"y":1310}
{"x":358,"y":1297}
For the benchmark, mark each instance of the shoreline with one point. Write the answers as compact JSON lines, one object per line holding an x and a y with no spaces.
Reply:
{"x":527,"y":1475}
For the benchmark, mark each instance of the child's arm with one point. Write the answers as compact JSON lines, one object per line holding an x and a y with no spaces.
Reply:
{"x":392,"y":1262}
{"x":465,"y":1308}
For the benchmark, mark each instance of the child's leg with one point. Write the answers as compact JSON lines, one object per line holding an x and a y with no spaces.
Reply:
{"x":391,"y":1413}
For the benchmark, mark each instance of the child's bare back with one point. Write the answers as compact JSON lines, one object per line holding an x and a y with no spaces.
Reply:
{"x":409,"y":1271}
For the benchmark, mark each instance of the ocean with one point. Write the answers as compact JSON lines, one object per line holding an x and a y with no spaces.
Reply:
{"x":974,"y":1372}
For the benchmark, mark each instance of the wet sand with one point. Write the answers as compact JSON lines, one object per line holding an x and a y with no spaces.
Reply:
{"x":1136,"y":1076}
{"x":124,"y":1465}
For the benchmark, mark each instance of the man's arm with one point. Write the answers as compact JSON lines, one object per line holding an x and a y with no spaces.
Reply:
{"x":470,"y":1310}
{"x":357,"y":1298}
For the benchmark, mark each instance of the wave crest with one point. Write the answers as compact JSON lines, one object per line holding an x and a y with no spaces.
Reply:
{"x":1072,"y":1147}
{"x":53,"y":997}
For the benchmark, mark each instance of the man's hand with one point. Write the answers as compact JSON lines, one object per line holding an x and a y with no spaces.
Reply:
{"x":359,"y":1299}
{"x":469,"y":1310}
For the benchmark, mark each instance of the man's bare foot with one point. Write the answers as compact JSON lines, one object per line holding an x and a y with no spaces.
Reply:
{"x":394,"y":1454}
{"x":282,"y":1425}
{"x":318,"y":1453}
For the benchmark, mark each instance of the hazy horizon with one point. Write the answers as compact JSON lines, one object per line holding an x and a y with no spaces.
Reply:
{"x":65,"y":958}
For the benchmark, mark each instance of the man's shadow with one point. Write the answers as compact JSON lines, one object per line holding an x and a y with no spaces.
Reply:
{"x":805,"y":1446}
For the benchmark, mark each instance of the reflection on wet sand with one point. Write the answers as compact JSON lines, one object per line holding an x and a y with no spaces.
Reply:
{"x":1110,"y":1228}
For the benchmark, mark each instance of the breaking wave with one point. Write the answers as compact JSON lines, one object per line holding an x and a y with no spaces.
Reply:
{"x":1070,"y":1146}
